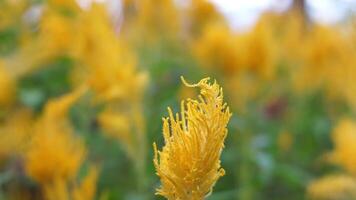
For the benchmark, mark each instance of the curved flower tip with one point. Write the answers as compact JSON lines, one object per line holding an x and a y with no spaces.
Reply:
{"x":203,"y":81}
{"x":189,"y":163}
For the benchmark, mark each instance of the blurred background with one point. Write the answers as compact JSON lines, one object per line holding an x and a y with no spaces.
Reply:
{"x":84,"y":86}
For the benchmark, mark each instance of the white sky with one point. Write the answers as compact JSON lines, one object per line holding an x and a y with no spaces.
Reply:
{"x":243,"y":13}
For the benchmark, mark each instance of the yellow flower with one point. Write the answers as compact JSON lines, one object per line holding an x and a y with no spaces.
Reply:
{"x":87,"y":189}
{"x":14,"y":133}
{"x":61,"y":190}
{"x":344,"y":137}
{"x":189,"y":164}
{"x":260,"y":51}
{"x":216,"y":49}
{"x":117,"y":125}
{"x":54,"y":155}
{"x":68,"y":5}
{"x":333,"y":187}
{"x":157,"y":19}
{"x":54,"y":152}
{"x":7,"y":87}
{"x":201,"y":13}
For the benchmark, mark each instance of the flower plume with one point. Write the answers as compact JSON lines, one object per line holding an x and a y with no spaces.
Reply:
{"x":189,"y":163}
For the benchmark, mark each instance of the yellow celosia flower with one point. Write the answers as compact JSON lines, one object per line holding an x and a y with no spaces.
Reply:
{"x":68,"y":5}
{"x":344,"y":137}
{"x":189,"y":164}
{"x":87,"y":189}
{"x":61,"y":190}
{"x":157,"y":19}
{"x":54,"y":155}
{"x":259,"y":51}
{"x":54,"y":152}
{"x":12,"y":12}
{"x":201,"y":13}
{"x":57,"y":189}
{"x":248,"y":87}
{"x":14,"y":132}
{"x":110,"y":66}
{"x":117,"y":125}
{"x":333,"y":187}
{"x":7,"y":87}
{"x":216,"y":49}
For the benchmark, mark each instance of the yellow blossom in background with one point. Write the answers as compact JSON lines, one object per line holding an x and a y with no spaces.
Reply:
{"x":67,"y":5}
{"x":157,"y":19}
{"x":117,"y":125}
{"x":108,"y":65}
{"x":332,"y":187}
{"x":202,"y":13}
{"x":324,"y":50}
{"x":61,"y":190}
{"x":344,"y":137}
{"x":7,"y":87}
{"x":14,"y":133}
{"x":260,"y":51}
{"x":216,"y":49}
{"x":242,"y":89}
{"x":55,"y":153}
{"x":11,"y":12}
{"x":189,"y":164}
{"x":57,"y":32}
{"x":87,"y":189}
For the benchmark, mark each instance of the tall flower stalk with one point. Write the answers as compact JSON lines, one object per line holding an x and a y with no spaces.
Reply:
{"x":189,"y":163}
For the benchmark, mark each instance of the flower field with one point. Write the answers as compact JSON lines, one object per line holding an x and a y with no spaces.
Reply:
{"x":263,"y":113}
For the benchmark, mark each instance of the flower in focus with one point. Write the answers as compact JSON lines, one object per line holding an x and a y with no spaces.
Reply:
{"x":189,"y":164}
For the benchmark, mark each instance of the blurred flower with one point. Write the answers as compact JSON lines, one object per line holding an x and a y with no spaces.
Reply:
{"x":7,"y":87}
{"x":260,"y":51}
{"x":157,"y":19}
{"x":11,"y":12}
{"x":54,"y":153}
{"x":202,"y":13}
{"x":189,"y":164}
{"x":344,"y":137}
{"x":108,"y":65}
{"x":87,"y":189}
{"x":333,"y":187}
{"x":117,"y":126}
{"x":65,"y":5}
{"x":60,"y":190}
{"x":14,"y":133}
{"x":242,"y":90}
{"x":216,"y":49}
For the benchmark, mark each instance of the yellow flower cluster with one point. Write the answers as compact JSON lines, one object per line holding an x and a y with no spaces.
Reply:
{"x":54,"y":152}
{"x":333,"y":187}
{"x":344,"y":137}
{"x":189,"y":164}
